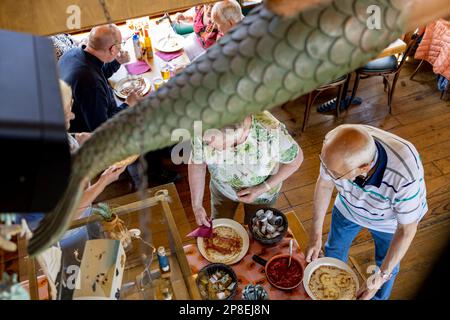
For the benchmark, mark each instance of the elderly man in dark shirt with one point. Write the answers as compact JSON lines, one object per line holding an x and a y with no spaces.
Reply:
{"x":87,"y":69}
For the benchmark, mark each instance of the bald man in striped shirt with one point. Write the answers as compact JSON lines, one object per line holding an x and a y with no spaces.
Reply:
{"x":380,"y":182}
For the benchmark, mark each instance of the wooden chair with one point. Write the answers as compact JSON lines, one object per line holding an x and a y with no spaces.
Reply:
{"x":312,"y":96}
{"x":386,"y":68}
{"x":298,"y":230}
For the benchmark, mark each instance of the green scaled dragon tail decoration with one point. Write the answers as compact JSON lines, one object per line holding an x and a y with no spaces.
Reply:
{"x":263,"y":62}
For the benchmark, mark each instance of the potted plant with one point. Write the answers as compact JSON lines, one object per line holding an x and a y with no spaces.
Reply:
{"x":113,"y":227}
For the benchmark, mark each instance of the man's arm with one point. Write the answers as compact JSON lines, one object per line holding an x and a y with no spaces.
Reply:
{"x":322,"y":196}
{"x":97,"y":107}
{"x":409,"y":208}
{"x":110,"y":68}
{"x":117,"y":109}
{"x":93,"y":104}
{"x":400,"y":244}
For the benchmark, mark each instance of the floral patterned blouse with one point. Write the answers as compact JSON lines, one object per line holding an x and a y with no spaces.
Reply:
{"x":252,"y":162}
{"x":63,"y":43}
{"x":206,"y":34}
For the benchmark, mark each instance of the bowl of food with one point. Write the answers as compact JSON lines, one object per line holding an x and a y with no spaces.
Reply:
{"x":280,"y":273}
{"x":217,"y":281}
{"x":125,"y":86}
{"x":268,"y":226}
{"x":330,"y":279}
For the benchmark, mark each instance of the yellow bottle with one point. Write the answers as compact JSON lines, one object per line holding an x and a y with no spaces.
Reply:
{"x":148,"y":46}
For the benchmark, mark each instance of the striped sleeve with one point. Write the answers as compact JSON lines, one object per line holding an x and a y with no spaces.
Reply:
{"x":323,"y":174}
{"x":408,"y":203}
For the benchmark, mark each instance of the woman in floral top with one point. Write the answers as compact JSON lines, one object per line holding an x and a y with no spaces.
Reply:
{"x":247,"y":163}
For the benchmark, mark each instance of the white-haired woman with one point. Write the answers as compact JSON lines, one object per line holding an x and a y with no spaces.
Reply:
{"x":74,"y":240}
{"x":210,"y":23}
{"x":108,"y":176}
{"x":247,"y":163}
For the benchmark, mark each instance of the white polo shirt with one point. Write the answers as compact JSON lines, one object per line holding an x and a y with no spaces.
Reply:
{"x":395,"y":193}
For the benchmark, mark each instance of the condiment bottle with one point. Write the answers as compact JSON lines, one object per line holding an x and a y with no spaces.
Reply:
{"x":148,"y":46}
{"x":163,"y":261}
{"x":137,"y":47}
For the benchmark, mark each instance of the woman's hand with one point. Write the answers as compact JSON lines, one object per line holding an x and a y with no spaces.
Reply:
{"x":201,"y":217}
{"x":249,"y":195}
{"x":110,"y":175}
{"x":82,"y":137}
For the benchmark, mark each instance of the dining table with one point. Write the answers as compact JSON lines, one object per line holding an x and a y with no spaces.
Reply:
{"x":156,"y":30}
{"x":249,"y":272}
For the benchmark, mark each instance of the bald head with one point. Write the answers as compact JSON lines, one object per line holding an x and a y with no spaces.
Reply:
{"x":101,"y":38}
{"x":348,"y":147}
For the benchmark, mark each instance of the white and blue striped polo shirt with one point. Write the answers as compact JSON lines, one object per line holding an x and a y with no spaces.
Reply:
{"x":395,"y":193}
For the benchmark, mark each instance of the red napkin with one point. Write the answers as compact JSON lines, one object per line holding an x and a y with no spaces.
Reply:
{"x":138,"y":67}
{"x":167,"y":56}
{"x":202,"y":231}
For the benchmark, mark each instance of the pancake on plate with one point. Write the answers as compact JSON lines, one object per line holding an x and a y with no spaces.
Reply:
{"x":224,"y":246}
{"x":332,"y":283}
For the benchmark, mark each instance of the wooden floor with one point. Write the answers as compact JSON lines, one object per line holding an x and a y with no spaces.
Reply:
{"x":418,"y":116}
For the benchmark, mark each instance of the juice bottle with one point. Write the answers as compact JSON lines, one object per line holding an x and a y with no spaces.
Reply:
{"x":148,"y":46}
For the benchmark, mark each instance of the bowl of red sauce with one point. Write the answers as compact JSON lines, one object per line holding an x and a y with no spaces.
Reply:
{"x":280,"y":275}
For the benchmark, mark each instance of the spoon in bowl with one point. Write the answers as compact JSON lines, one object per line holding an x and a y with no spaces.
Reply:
{"x":291,"y":244}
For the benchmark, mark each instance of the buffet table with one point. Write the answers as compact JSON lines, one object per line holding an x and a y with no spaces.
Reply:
{"x":249,"y":272}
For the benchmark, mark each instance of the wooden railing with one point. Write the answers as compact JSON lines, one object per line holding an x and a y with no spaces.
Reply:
{"x":47,"y":17}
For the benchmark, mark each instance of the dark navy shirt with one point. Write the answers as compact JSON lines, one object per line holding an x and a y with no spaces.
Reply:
{"x":94,"y":101}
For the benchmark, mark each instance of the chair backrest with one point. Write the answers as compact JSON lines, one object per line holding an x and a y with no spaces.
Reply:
{"x":415,"y":39}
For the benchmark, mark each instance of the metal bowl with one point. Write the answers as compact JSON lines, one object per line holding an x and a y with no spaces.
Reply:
{"x":268,"y":241}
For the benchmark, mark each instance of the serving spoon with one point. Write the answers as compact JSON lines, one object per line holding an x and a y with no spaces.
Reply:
{"x":291,"y":244}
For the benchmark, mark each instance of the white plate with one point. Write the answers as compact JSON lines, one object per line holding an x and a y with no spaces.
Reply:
{"x":148,"y":86}
{"x":326,"y":261}
{"x":236,"y":226}
{"x":171,"y":43}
